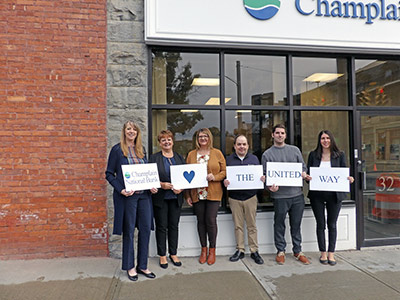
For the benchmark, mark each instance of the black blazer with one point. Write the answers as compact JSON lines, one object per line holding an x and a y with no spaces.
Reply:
{"x":157,"y":158}
{"x":314,"y":161}
{"x":116,"y":179}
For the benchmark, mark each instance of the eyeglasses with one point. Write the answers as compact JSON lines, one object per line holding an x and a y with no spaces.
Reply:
{"x":203,"y":136}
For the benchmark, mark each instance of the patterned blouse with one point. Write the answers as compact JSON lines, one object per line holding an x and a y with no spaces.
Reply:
{"x":202,"y":192}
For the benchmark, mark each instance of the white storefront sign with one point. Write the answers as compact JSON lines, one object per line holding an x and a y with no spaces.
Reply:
{"x":255,"y":23}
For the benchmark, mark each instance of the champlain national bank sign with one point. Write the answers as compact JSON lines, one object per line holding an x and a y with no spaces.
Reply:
{"x":370,"y":11}
{"x":297,"y":24}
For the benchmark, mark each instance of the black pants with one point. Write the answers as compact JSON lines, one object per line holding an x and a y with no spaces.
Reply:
{"x":167,"y":224}
{"x":329,"y":201}
{"x":206,"y":212}
{"x":137,"y":212}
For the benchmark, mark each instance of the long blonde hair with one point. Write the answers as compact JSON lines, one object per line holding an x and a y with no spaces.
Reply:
{"x":138,"y":140}
{"x":210,"y":138}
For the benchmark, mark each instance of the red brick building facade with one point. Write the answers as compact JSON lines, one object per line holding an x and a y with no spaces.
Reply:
{"x":53,"y":129}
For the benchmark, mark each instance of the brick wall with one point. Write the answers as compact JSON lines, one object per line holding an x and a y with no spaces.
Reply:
{"x":53,"y":129}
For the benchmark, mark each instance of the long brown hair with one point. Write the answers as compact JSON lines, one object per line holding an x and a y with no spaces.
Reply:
{"x":335,"y":151}
{"x":138,"y":140}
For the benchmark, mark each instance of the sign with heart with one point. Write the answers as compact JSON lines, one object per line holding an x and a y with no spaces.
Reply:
{"x":189,"y":176}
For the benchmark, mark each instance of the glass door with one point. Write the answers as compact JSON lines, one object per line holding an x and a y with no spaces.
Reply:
{"x":379,"y":168}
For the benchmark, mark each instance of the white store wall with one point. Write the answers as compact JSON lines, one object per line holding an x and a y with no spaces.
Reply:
{"x":189,"y":244}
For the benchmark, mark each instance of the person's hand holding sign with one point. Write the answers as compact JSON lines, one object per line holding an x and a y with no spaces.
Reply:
{"x":274,"y":188}
{"x":127,"y":194}
{"x":226,"y":182}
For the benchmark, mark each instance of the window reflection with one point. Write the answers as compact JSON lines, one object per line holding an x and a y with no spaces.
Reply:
{"x":255,"y":80}
{"x":320,"y":81}
{"x":185,"y":78}
{"x":377,"y":82}
{"x":184,"y":124}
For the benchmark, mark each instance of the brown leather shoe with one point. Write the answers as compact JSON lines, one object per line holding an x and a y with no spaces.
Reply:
{"x":203,"y":255}
{"x":211,"y":256}
{"x":301,"y":257}
{"x":280,"y":258}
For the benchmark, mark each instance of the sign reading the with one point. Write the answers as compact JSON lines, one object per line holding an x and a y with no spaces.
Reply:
{"x":244,"y":177}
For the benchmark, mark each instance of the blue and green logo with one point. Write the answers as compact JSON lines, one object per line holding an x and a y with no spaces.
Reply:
{"x":262,"y":9}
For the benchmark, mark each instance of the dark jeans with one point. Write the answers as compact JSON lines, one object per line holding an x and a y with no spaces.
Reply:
{"x":137,"y":212}
{"x":294,"y":207}
{"x":167,"y":224}
{"x":206,"y":212}
{"x":329,"y":201}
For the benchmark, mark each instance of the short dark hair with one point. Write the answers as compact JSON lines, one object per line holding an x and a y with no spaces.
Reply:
{"x":238,"y":136}
{"x":279,"y":126}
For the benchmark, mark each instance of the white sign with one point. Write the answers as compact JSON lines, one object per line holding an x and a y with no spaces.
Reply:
{"x":139,"y":177}
{"x":329,"y":179}
{"x":244,"y":177}
{"x":284,"y":174}
{"x":227,"y":22}
{"x":189,"y":176}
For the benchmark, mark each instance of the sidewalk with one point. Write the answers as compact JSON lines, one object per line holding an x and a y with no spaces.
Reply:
{"x":373,"y":273}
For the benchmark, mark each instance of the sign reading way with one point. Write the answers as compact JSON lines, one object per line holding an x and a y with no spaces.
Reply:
{"x":329,"y":179}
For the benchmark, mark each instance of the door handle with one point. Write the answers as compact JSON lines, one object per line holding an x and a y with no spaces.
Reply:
{"x":363,"y":173}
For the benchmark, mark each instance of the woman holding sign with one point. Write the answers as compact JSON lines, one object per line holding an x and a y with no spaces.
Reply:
{"x":131,"y":208}
{"x":326,"y":154}
{"x":168,"y":201}
{"x":205,"y":201}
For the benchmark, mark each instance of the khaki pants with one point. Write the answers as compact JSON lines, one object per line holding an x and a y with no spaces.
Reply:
{"x":245,"y":211}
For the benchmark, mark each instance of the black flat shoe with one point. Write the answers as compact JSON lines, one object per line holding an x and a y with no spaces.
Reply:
{"x":150,"y":275}
{"x":175,"y":263}
{"x":257,"y":258}
{"x":133,"y":278}
{"x":332,"y":262}
{"x":323,"y":261}
{"x":164,"y":266}
{"x":236,"y":256}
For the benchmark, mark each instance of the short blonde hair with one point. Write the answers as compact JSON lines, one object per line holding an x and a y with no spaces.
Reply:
{"x":210,"y":137}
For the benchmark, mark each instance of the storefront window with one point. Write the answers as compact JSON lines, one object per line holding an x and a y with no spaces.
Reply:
{"x":255,"y":80}
{"x":377,"y":82}
{"x":185,"y":78}
{"x":320,"y":81}
{"x":184,"y":124}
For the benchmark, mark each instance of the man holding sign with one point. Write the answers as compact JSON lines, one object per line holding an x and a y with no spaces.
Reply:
{"x":243,"y":203}
{"x":287,"y":199}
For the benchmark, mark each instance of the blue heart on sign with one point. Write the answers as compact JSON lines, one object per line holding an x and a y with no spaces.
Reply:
{"x":189,"y":176}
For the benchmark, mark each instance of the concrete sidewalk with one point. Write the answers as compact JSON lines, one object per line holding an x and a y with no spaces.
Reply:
{"x":373,"y":273}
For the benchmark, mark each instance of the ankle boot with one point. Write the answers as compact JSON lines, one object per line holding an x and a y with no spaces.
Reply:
{"x":211,"y":256}
{"x":203,"y":255}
